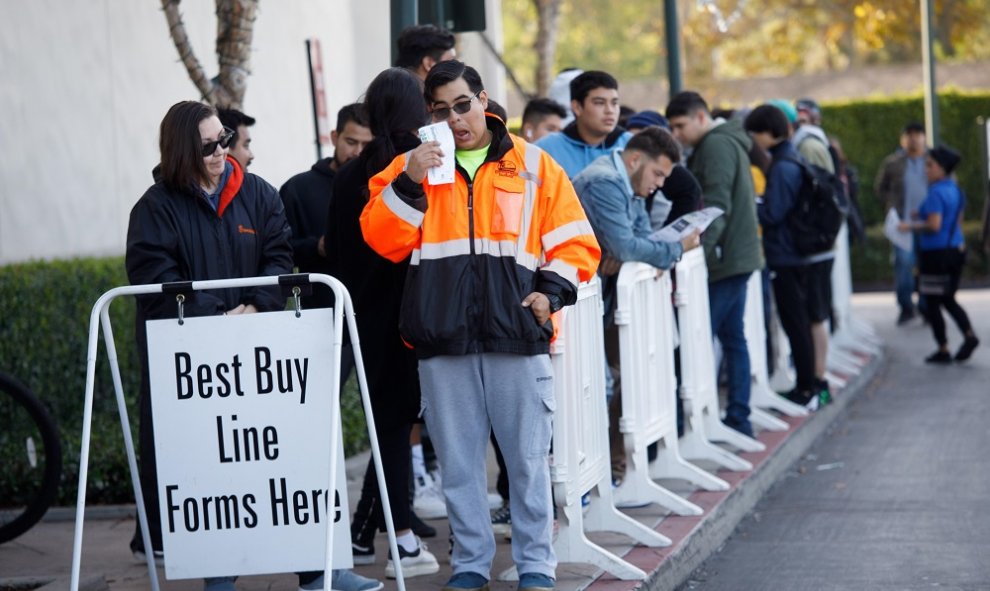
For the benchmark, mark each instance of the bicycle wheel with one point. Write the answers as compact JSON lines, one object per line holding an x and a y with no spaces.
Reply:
{"x":31,"y":456}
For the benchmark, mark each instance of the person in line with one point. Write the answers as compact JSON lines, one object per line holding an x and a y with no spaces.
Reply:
{"x":594,"y":131}
{"x":395,"y":111}
{"x":420,"y":47}
{"x":541,"y":117}
{"x":769,"y":128}
{"x":943,"y":253}
{"x":902,"y":184}
{"x":681,"y":193}
{"x":612,"y":191}
{"x":812,"y":143}
{"x":307,"y":197}
{"x":188,"y":226}
{"x":240,"y":148}
{"x":720,"y":162}
{"x":489,"y":265}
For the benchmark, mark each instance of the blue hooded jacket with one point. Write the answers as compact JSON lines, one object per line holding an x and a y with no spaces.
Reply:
{"x":783,"y":186}
{"x":573,"y":154}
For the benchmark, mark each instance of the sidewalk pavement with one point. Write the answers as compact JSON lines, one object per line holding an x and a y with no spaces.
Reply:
{"x":42,"y":557}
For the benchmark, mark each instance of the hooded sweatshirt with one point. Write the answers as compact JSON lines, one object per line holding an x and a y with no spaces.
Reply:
{"x":573,"y":154}
{"x":720,"y":162}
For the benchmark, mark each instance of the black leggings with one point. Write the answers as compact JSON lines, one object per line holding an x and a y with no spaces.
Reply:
{"x":945,"y":263}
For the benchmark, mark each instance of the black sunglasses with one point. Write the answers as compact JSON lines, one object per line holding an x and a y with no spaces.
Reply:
{"x":443,"y":113}
{"x":223,"y":141}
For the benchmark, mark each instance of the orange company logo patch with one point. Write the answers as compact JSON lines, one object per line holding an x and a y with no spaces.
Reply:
{"x":243,"y":230}
{"x":506,"y":168}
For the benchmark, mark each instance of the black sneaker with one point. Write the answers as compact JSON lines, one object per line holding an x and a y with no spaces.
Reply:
{"x":801,"y":397}
{"x":420,"y":527}
{"x":363,"y":554}
{"x":824,"y":393}
{"x":502,"y":520}
{"x":967,"y":348}
{"x":939,"y":357}
{"x":907,"y":315}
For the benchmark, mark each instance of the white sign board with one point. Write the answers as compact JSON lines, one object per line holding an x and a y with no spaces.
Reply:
{"x":241,"y":408}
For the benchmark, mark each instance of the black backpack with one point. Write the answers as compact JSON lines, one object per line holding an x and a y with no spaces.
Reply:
{"x":819,"y":211}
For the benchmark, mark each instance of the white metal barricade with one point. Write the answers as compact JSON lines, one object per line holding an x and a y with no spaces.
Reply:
{"x":581,"y":460}
{"x":644,"y":315}
{"x":762,"y":395}
{"x":100,"y":318}
{"x":699,"y":390}
{"x":852,"y":335}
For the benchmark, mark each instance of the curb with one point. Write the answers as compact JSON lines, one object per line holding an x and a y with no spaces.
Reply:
{"x":716,"y":528}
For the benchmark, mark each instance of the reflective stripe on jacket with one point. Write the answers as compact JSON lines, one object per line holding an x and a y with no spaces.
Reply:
{"x":478,"y":248}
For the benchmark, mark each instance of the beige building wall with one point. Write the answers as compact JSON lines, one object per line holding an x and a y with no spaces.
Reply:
{"x":85,"y":85}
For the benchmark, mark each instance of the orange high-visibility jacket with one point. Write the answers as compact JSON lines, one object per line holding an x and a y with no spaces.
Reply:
{"x":478,"y":248}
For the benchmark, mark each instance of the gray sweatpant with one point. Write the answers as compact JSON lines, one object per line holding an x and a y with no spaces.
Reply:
{"x":465,"y":397}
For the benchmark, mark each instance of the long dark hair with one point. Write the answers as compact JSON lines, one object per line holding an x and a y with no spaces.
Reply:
{"x":396,"y":109}
{"x":181,"y":146}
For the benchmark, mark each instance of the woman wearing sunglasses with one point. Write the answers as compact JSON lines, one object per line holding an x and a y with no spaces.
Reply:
{"x":204,"y":218}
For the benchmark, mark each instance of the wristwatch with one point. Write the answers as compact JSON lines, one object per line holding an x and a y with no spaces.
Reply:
{"x":555,"y":302}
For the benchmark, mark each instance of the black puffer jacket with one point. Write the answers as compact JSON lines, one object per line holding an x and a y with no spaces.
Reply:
{"x":176,"y":236}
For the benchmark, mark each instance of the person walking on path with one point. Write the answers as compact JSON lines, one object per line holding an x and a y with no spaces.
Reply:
{"x":494,"y":253}
{"x":943,"y":252}
{"x":902,"y":185}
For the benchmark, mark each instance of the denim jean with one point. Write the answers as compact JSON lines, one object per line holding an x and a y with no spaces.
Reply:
{"x":727,"y":301}
{"x":904,"y":278}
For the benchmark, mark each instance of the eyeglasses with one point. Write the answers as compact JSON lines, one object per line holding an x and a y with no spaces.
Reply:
{"x":223,"y":141}
{"x":443,"y":113}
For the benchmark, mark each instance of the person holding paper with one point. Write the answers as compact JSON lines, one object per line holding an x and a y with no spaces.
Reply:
{"x":901,"y":186}
{"x":613,"y":191}
{"x":493,"y":255}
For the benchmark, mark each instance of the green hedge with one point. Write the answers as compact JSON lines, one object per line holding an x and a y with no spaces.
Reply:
{"x":44,"y":328}
{"x":869,"y":130}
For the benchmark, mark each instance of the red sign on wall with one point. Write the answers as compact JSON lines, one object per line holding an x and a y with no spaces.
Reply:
{"x":317,"y":89}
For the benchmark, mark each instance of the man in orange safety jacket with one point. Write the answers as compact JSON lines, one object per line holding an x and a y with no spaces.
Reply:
{"x":493,"y":254}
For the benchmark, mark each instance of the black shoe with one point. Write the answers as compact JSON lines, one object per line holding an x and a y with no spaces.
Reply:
{"x":421,"y":528}
{"x":967,"y":348}
{"x":940,"y":357}
{"x":363,"y":553}
{"x":743,"y":427}
{"x":801,"y":397}
{"x":907,"y":315}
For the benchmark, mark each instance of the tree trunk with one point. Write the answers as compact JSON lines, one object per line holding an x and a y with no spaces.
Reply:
{"x":548,"y":18}
{"x":235,"y":31}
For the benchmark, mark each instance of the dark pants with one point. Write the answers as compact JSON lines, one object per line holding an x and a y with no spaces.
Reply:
{"x":946,"y":263}
{"x":727,"y":302}
{"x":790,"y":290}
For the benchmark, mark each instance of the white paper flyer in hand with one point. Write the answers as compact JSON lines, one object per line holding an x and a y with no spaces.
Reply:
{"x":440,"y":132}
{"x":902,"y":240}
{"x":687,"y":223}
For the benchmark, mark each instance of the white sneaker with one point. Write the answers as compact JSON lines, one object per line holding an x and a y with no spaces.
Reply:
{"x":427,"y":502}
{"x":416,"y":563}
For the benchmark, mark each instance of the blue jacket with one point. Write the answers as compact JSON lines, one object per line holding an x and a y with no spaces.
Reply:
{"x":783,"y":185}
{"x":573,"y":154}
{"x":619,"y":218}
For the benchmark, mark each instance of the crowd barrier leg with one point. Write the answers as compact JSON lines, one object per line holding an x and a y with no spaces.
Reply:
{"x":699,"y":393}
{"x":645,"y":320}
{"x":761,"y":396}
{"x":581,"y":463}
{"x":700,"y":390}
{"x":673,"y":466}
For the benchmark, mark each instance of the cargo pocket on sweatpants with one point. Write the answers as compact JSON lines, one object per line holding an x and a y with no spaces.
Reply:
{"x":542,"y":421}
